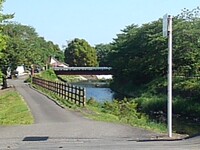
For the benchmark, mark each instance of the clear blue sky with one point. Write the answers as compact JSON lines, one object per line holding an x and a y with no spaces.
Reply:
{"x":97,"y":21}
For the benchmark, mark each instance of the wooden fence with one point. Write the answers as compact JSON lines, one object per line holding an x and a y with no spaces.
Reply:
{"x":67,"y":91}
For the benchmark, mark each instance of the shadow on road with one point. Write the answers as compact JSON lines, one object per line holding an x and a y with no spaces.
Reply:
{"x":36,"y":138}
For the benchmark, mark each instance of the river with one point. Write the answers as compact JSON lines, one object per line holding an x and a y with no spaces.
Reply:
{"x":97,"y":90}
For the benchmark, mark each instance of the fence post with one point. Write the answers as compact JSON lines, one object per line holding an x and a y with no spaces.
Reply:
{"x":79,"y":96}
{"x":84,"y":97}
{"x":65,"y":91}
{"x":70,"y":92}
{"x":57,"y":88}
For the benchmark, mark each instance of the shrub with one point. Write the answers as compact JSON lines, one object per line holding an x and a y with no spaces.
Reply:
{"x":48,"y":75}
{"x":187,"y":88}
{"x":151,"y":104}
{"x":111,"y":107}
{"x":92,"y":102}
{"x":186,"y":107}
{"x":126,"y":110}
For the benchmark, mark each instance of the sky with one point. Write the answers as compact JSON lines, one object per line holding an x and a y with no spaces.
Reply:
{"x":96,"y":21}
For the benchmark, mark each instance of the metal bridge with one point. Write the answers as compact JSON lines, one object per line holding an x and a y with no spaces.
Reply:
{"x":83,"y":70}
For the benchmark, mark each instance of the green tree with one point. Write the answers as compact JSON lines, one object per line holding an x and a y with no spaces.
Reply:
{"x":186,"y":41}
{"x":103,"y":51}
{"x":139,"y":54}
{"x":3,"y":40}
{"x":25,"y":47}
{"x":80,"y":54}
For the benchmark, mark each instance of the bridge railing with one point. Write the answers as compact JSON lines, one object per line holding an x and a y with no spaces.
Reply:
{"x":83,"y":70}
{"x":67,"y":91}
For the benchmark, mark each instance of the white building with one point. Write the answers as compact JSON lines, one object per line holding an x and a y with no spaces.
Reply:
{"x":55,"y":63}
{"x":20,"y":70}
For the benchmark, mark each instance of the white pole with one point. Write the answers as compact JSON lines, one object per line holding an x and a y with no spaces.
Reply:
{"x":169,"y":106}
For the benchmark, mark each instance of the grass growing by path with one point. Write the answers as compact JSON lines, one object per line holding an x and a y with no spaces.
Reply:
{"x":13,"y":109}
{"x":124,"y":112}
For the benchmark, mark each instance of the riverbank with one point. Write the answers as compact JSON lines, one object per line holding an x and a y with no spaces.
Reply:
{"x":151,"y":99}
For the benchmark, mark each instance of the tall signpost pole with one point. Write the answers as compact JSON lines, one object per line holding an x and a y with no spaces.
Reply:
{"x":170,"y":77}
{"x":167,"y":32}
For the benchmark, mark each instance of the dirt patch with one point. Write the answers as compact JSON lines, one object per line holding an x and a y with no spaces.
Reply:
{"x":2,"y":91}
{"x":90,"y":77}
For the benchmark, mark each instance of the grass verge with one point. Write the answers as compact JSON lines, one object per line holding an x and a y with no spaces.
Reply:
{"x":13,"y":109}
{"x":123,"y":112}
{"x":56,"y":98}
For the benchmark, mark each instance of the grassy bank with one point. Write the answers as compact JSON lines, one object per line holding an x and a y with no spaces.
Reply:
{"x":13,"y":109}
{"x":124,"y":111}
{"x":48,"y":75}
{"x":151,"y":98}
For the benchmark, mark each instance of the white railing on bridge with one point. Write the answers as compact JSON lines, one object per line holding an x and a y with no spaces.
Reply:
{"x":81,"y":68}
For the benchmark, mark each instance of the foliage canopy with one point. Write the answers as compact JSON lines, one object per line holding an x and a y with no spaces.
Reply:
{"x":140,"y":52}
{"x":80,"y":54}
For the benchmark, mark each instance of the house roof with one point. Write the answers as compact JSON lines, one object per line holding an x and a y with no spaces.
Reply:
{"x":55,"y":63}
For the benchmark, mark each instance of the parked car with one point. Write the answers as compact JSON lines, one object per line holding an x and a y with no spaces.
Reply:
{"x":15,"y":74}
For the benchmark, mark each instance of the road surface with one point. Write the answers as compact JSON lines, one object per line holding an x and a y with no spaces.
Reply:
{"x":59,"y":128}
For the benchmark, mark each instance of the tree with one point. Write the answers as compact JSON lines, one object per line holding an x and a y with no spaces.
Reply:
{"x":139,"y":54}
{"x":186,"y":39}
{"x":103,"y":51}
{"x":136,"y":57}
{"x":80,"y":54}
{"x":3,"y":40}
{"x":25,"y":47}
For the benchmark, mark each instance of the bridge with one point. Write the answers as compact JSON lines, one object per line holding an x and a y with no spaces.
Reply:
{"x":83,"y":70}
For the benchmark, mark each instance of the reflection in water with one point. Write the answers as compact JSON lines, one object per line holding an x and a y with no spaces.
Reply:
{"x":99,"y":94}
{"x":97,"y":91}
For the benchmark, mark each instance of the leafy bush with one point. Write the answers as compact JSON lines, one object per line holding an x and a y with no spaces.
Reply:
{"x":48,"y":75}
{"x":92,"y":102}
{"x":157,"y":105}
{"x":186,"y":107}
{"x":187,"y":88}
{"x":126,"y":110}
{"x":151,"y":104}
{"x":111,"y":107}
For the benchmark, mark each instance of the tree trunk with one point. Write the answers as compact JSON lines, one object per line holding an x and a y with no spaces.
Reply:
{"x":5,"y":85}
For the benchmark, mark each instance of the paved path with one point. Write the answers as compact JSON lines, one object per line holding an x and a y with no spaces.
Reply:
{"x":58,"y":128}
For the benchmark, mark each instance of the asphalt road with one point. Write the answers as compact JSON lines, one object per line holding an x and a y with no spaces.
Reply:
{"x":58,"y":128}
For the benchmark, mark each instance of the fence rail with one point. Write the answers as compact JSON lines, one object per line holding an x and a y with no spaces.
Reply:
{"x":67,"y":91}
